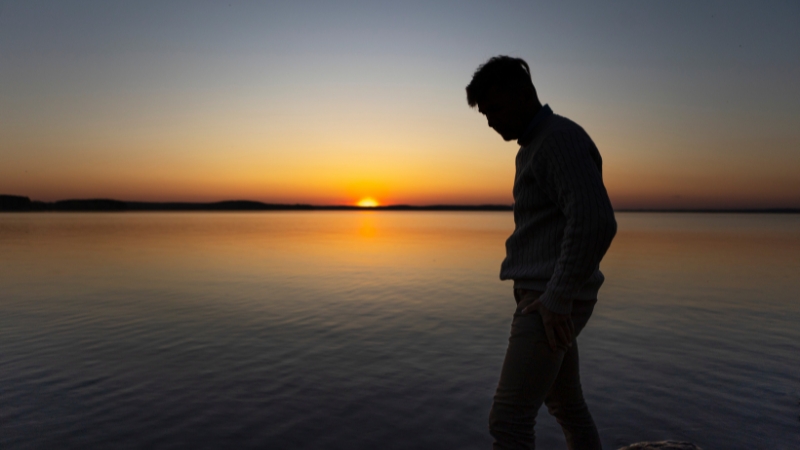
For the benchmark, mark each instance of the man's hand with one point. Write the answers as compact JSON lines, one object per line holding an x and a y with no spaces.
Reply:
{"x":558,"y":327}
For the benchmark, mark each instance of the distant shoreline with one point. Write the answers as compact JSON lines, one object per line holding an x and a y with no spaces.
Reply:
{"x":15,"y":203}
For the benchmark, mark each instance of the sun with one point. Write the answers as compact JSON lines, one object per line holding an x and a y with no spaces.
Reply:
{"x":367,"y":202}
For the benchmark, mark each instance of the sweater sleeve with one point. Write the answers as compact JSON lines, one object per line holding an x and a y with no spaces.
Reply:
{"x":569,"y":169}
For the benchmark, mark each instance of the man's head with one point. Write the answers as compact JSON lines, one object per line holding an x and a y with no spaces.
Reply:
{"x":502,"y":90}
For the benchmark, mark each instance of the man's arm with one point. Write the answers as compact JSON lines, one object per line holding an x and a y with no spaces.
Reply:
{"x":574,"y":182}
{"x":572,"y":178}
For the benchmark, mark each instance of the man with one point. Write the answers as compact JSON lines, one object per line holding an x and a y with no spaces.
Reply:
{"x":563,"y":226}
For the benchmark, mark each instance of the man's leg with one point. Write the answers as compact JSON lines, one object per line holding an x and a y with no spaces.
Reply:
{"x":565,"y":398}
{"x":529,"y":370}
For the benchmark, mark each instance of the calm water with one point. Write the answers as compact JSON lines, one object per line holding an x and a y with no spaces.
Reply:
{"x":367,"y":330}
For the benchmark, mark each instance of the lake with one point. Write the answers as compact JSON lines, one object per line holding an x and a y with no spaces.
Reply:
{"x":378,"y":329}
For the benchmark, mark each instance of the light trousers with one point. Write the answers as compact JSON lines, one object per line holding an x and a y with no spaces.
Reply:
{"x":533,"y":374}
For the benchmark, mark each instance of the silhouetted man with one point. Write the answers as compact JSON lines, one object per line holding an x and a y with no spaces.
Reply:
{"x":563,"y":226}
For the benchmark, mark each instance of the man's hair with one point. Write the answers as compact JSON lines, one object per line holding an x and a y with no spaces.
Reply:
{"x":504,"y":72}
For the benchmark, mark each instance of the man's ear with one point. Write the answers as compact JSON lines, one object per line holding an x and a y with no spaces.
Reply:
{"x":529,"y":96}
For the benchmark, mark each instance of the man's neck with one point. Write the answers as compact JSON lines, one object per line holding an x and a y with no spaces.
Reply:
{"x":534,"y":110}
{"x":533,"y":121}
{"x":528,"y":116}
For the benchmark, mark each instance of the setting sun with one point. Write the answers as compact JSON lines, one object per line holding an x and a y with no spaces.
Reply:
{"x":367,"y":202}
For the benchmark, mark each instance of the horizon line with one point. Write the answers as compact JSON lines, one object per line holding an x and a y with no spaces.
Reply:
{"x":16,"y":203}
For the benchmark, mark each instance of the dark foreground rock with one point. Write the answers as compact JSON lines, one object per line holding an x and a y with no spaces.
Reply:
{"x":662,"y":445}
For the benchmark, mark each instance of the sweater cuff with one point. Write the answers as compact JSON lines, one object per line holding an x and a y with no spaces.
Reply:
{"x":556,"y":304}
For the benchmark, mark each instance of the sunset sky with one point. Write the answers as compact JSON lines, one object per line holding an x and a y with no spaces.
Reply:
{"x":692,"y":104}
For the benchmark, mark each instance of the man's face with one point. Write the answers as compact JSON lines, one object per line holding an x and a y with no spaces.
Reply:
{"x":504,"y":112}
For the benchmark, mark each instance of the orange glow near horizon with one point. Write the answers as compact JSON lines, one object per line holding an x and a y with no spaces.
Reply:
{"x":367,"y":202}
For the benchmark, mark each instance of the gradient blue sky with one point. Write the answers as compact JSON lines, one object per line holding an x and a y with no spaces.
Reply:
{"x":692,"y":104}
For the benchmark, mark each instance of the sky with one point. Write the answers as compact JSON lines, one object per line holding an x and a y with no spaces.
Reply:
{"x":692,"y":104}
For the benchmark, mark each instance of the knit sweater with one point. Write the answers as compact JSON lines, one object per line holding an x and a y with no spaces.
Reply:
{"x":563,"y":218}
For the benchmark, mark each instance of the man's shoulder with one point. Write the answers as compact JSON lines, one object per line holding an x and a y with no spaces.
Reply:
{"x":562,"y":124}
{"x":554,"y":127}
{"x":560,"y":136}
